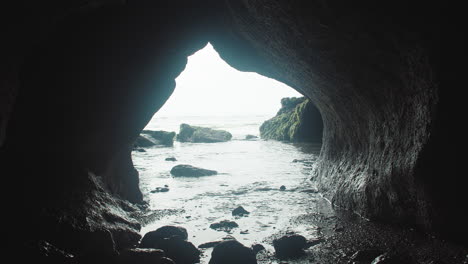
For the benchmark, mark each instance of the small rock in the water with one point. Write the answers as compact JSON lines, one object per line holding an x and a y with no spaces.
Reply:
{"x":257,"y":248}
{"x":232,"y":252}
{"x":240,"y":211}
{"x":365,"y":255}
{"x":224,"y":225}
{"x":171,"y":159}
{"x":140,"y":150}
{"x":244,"y":232}
{"x":160,"y":189}
{"x":190,"y":171}
{"x":282,"y":188}
{"x":209,"y":244}
{"x":248,"y":137}
{"x":290,"y":246}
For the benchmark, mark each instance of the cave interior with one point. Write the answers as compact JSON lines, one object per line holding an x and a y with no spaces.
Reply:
{"x":81,"y":79}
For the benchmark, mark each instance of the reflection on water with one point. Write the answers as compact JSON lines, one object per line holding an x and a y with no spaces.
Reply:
{"x":251,"y":173}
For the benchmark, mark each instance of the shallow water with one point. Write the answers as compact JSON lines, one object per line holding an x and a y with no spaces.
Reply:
{"x":250,"y":175}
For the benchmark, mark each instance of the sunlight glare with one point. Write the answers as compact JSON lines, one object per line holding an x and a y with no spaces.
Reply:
{"x":210,"y":87}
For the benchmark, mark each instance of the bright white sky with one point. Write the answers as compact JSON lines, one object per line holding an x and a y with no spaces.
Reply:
{"x":210,"y":87}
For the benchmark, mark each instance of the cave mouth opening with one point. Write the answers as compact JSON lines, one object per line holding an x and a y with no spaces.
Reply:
{"x":262,"y":176}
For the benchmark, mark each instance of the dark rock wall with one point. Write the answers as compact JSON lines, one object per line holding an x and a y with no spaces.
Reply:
{"x":88,"y":76}
{"x":374,"y":71}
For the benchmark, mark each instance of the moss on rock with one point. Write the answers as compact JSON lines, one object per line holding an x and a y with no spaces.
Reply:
{"x":296,"y":121}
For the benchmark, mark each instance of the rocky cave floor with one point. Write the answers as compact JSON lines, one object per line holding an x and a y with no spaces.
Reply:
{"x":347,"y":238}
{"x":343,"y":237}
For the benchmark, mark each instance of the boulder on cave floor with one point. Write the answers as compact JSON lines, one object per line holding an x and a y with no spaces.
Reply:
{"x":190,"y":171}
{"x":198,"y":134}
{"x":173,"y":241}
{"x":232,"y":252}
{"x":160,"y":137}
{"x":290,"y":246}
{"x":152,"y":238}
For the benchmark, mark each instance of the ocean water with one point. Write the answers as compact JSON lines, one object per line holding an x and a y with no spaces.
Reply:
{"x":250,"y":175}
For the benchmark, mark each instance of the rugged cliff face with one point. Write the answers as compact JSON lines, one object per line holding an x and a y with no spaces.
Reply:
{"x":80,"y":79}
{"x":298,"y":120}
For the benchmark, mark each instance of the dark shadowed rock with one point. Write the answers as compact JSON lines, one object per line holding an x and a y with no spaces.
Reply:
{"x":232,"y":252}
{"x":143,"y":141}
{"x":197,"y":134}
{"x":282,"y":188}
{"x":152,"y":238}
{"x":161,"y":137}
{"x":143,"y":256}
{"x":209,"y":244}
{"x":190,"y":171}
{"x":171,"y":159}
{"x":240,"y":211}
{"x":172,"y":240}
{"x":290,"y":246}
{"x":181,"y":251}
{"x":249,"y":137}
{"x":160,"y":189}
{"x":257,"y":248}
{"x":224,"y":225}
{"x":41,"y":252}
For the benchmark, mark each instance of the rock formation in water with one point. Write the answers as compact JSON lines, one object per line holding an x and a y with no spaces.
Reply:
{"x":297,"y":121}
{"x":198,"y":134}
{"x":161,"y":137}
{"x":89,"y":75}
{"x":183,"y":170}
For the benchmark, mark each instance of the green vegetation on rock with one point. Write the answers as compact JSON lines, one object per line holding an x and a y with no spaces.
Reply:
{"x":202,"y":134}
{"x":297,"y":121}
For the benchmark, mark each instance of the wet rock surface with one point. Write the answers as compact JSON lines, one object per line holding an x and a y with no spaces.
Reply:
{"x":232,"y":252}
{"x":172,"y":240}
{"x":161,"y":137}
{"x":224,"y":225}
{"x":190,"y":171}
{"x":151,"y":239}
{"x":171,"y":159}
{"x":290,"y":246}
{"x":240,"y":211}
{"x":197,"y":134}
{"x":143,"y":141}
